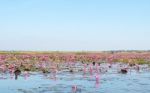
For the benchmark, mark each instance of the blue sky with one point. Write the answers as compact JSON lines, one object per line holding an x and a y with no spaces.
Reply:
{"x":74,"y":25}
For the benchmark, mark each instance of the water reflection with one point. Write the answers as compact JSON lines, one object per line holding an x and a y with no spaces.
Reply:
{"x":97,"y":85}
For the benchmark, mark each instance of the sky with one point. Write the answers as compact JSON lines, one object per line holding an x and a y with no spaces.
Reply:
{"x":74,"y":25}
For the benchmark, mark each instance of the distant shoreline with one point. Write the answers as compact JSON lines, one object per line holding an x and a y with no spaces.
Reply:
{"x":108,"y":51}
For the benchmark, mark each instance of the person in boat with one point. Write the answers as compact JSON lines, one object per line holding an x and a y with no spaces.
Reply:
{"x":124,"y":71}
{"x":93,"y":63}
{"x":17,"y":72}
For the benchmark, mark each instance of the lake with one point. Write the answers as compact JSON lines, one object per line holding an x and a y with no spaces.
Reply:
{"x":66,"y":82}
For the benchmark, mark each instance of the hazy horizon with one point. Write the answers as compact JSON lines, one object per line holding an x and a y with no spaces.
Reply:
{"x":74,"y":25}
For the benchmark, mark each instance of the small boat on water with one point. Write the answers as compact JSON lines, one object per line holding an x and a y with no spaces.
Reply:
{"x":124,"y":71}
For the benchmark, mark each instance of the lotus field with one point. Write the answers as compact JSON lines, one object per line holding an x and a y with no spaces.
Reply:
{"x":68,"y":72}
{"x":43,"y":61}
